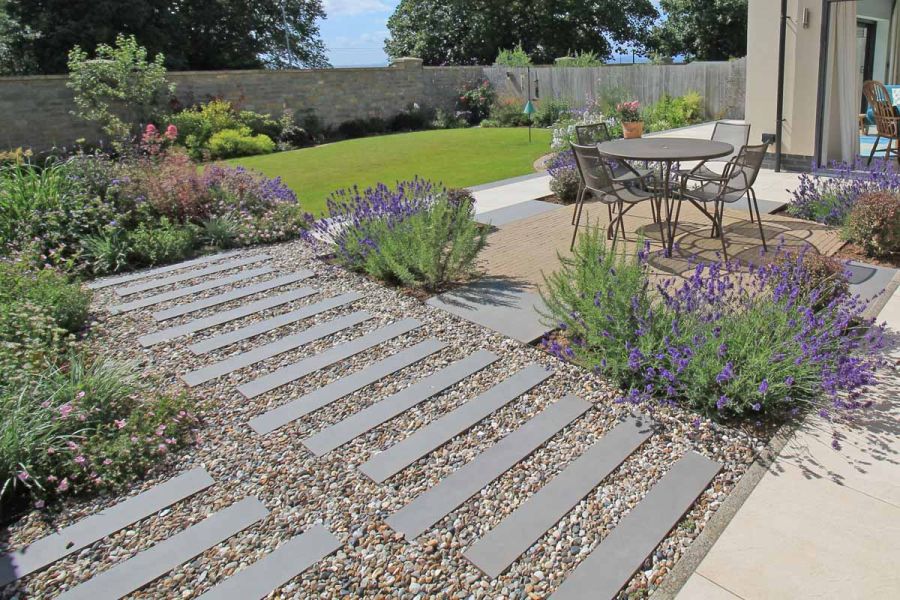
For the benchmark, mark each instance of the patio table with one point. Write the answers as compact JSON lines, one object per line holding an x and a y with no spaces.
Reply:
{"x":665,"y":151}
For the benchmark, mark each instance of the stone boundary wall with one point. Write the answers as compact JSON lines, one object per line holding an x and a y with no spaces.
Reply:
{"x":36,"y":111}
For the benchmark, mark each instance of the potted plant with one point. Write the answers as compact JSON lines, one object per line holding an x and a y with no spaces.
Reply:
{"x":629,"y":115}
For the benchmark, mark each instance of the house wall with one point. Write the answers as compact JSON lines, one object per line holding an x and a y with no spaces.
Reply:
{"x":801,"y":72}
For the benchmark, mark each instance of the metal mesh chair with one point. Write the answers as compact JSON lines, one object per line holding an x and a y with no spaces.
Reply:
{"x":590,"y":135}
{"x":599,"y":181}
{"x":886,"y":118}
{"x":731,"y":132}
{"x":735,"y":182}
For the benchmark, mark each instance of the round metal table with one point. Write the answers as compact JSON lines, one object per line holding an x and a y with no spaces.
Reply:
{"x":665,"y":151}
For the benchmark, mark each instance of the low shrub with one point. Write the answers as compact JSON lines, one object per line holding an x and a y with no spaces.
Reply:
{"x":508,"y":112}
{"x":446,"y":120}
{"x":550,"y":111}
{"x":222,"y":232}
{"x":673,"y":112}
{"x":108,"y":252}
{"x":517,"y":57}
{"x":160,"y":243}
{"x":230,"y":143}
{"x":816,"y":274}
{"x":874,"y":223}
{"x":65,"y":302}
{"x":828,"y":195}
{"x":564,"y":178}
{"x":580,"y":59}
{"x":79,"y":428}
{"x":413,"y":118}
{"x":476,"y":100}
{"x":416,"y":235}
{"x":730,"y":347}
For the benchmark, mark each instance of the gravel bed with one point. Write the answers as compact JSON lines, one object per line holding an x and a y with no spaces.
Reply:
{"x":300,"y":489}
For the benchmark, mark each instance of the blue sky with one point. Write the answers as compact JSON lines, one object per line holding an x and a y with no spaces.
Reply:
{"x":355,"y":30}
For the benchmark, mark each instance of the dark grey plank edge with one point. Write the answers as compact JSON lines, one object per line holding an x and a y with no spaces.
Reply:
{"x":215,"y":268}
{"x":384,"y":410}
{"x":308,"y":403}
{"x":614,"y":561}
{"x":442,"y":430}
{"x":278,"y":567}
{"x":235,"y":294}
{"x":226,"y":339}
{"x":83,"y":533}
{"x":96,"y":285}
{"x":447,"y":495}
{"x":299,"y":369}
{"x":279,"y":346}
{"x":187,"y":291}
{"x":515,"y":534}
{"x":239,"y":312}
{"x":150,"y":564}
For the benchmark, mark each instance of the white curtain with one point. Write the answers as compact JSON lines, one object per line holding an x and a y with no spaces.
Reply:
{"x":893,"y":74}
{"x":843,"y":85}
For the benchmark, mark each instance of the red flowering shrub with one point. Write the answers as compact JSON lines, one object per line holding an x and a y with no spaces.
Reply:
{"x":874,"y":223}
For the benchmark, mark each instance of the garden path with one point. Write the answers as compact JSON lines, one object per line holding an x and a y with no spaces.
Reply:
{"x":250,"y":366}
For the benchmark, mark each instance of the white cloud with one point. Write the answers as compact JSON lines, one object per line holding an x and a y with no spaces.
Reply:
{"x":368,"y":39}
{"x":356,"y":7}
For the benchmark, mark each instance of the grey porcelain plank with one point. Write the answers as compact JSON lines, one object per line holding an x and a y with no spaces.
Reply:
{"x":219,"y":318}
{"x":79,"y":535}
{"x":210,"y":270}
{"x":226,"y":339}
{"x":384,"y":410}
{"x":324,"y":396}
{"x":612,"y":563}
{"x":187,"y":291}
{"x":277,"y":568}
{"x":434,"y":504}
{"x":442,"y":430}
{"x":96,"y":285}
{"x":501,"y":546}
{"x":304,"y":367}
{"x":146,"y":566}
{"x":279,"y":346}
{"x":236,"y":294}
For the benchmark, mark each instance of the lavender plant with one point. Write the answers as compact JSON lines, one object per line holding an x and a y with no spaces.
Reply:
{"x":564,"y":178}
{"x":415,"y":234}
{"x":726,"y":342}
{"x":829,"y":195}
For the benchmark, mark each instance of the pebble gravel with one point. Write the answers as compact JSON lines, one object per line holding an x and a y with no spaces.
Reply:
{"x":300,"y":490}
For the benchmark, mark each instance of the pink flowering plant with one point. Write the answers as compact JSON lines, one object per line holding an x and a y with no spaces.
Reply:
{"x":731,"y":341}
{"x":628,"y":112}
{"x":477,"y":99}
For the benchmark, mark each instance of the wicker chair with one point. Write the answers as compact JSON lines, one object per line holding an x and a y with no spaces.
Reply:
{"x":599,"y":181}
{"x":735,"y":182}
{"x":886,"y":119}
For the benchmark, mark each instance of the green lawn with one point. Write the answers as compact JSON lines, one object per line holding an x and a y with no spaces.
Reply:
{"x":454,"y":157}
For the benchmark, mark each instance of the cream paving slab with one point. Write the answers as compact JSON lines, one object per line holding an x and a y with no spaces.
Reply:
{"x":512,"y":193}
{"x":699,"y":587}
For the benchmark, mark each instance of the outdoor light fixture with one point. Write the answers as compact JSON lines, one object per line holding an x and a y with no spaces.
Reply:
{"x":804,"y":18}
{"x":529,"y":105}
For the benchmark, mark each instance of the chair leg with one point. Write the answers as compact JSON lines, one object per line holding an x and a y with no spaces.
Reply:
{"x":762,"y":236}
{"x":750,"y":204}
{"x":675,"y":220}
{"x":872,"y":153}
{"x":577,"y":202}
{"x":887,"y":153}
{"x":622,"y":219}
{"x":580,"y":208}
{"x":719,"y":216}
{"x":616,"y":229}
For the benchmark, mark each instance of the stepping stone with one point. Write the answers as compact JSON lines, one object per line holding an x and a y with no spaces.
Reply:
{"x":277,"y":568}
{"x":384,"y":410}
{"x":439,"y":432}
{"x":146,"y":566}
{"x":181,"y":292}
{"x":501,"y":305}
{"x":514,"y":212}
{"x":324,"y":396}
{"x":448,"y":494}
{"x":82,"y":534}
{"x":224,"y":317}
{"x":226,"y":339}
{"x":299,"y":369}
{"x":96,"y":285}
{"x":621,"y":553}
{"x":279,"y":346}
{"x":515,"y":534}
{"x":236,"y":294}
{"x":218,"y":268}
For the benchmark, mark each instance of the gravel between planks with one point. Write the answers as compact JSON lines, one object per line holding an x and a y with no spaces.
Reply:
{"x":301,"y":490}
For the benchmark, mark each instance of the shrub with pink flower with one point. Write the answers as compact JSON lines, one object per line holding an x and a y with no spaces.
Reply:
{"x":628,"y":112}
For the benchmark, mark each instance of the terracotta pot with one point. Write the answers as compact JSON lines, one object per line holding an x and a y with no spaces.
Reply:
{"x":632,"y":130}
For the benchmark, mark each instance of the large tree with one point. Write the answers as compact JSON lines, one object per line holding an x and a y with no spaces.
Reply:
{"x":474,"y":31}
{"x":192,"y":34}
{"x":701,"y":29}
